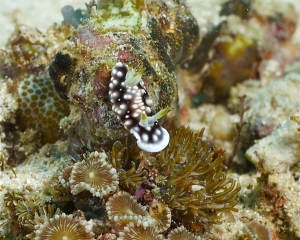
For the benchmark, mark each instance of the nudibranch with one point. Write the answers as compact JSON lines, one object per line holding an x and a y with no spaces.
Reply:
{"x":132,"y":104}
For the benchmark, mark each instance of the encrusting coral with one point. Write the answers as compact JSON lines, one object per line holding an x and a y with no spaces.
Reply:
{"x":25,"y":61}
{"x":94,"y":174}
{"x":38,"y":102}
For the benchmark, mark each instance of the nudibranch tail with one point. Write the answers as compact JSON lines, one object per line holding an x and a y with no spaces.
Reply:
{"x":132,"y":103}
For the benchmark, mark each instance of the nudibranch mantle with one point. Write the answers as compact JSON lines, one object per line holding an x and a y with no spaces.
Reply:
{"x":132,"y":104}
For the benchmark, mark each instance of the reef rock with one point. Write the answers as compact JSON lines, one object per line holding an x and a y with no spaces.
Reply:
{"x":149,"y":37}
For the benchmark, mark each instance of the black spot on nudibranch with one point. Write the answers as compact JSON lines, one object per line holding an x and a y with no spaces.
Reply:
{"x":132,"y":104}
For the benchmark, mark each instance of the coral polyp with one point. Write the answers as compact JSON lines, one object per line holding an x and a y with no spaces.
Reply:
{"x":138,"y":232}
{"x":162,"y":216}
{"x":182,"y":233}
{"x":94,"y":174}
{"x":258,"y":231}
{"x":123,"y":209}
{"x":194,"y":186}
{"x":124,"y":157}
{"x":64,"y":227}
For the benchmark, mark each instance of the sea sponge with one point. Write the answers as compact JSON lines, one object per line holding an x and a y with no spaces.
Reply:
{"x":194,"y":186}
{"x":94,"y":174}
{"x":181,"y":233}
{"x":138,"y":232}
{"x":161,"y":214}
{"x":124,"y":209}
{"x":40,"y":107}
{"x":64,"y":227}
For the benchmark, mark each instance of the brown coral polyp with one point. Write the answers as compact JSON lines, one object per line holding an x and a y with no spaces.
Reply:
{"x":138,"y":232}
{"x":94,"y":174}
{"x":123,"y":209}
{"x":65,"y":227}
{"x":257,"y":231}
{"x":182,"y":233}
{"x":161,"y":214}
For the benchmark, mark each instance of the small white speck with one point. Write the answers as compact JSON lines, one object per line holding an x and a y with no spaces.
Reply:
{"x":120,"y":74}
{"x":138,"y":97}
{"x":115,"y":82}
{"x":157,"y":132}
{"x":111,"y":85}
{"x":115,"y":95}
{"x":127,"y":97}
{"x":119,"y":64}
{"x":134,"y":106}
{"x":128,"y":122}
{"x":123,"y":106}
{"x":148,"y":129}
{"x":145,"y":137}
{"x":138,"y":101}
{"x":155,"y":138}
{"x":119,"y":111}
{"x":135,"y":114}
{"x":149,"y":102}
{"x":114,"y":71}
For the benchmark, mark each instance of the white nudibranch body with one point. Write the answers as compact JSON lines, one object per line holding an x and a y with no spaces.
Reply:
{"x":132,"y":104}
